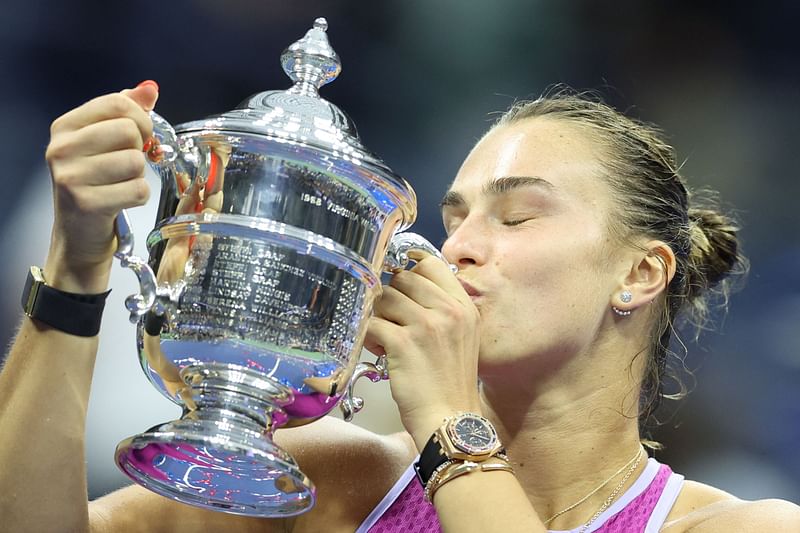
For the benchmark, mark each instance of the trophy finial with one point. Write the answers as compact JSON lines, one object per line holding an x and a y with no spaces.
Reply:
{"x":311,"y":62}
{"x":321,"y":23}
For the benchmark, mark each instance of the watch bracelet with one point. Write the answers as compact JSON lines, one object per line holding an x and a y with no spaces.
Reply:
{"x":434,"y":479}
{"x":455,"y":468}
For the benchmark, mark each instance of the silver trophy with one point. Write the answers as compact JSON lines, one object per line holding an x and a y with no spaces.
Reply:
{"x":274,"y":225}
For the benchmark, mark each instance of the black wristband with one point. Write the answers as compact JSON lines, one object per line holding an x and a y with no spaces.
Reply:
{"x":76,"y":314}
{"x":429,"y":460}
{"x":432,"y":457}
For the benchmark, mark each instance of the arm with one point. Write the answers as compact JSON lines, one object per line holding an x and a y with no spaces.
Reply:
{"x":428,"y":328}
{"x":762,"y":516}
{"x":45,"y":392}
{"x":97,"y":166}
{"x":46,"y":379}
{"x":135,"y":509}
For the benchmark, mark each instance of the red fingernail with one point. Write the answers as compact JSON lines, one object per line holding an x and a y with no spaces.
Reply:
{"x":212,"y":173}
{"x":148,"y":82}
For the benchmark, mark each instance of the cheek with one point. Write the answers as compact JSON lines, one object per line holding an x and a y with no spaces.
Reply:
{"x":550,"y":276}
{"x":552,"y":293}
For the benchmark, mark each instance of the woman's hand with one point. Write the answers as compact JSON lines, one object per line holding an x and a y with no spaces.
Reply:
{"x":428,"y":327}
{"x":97,"y":167}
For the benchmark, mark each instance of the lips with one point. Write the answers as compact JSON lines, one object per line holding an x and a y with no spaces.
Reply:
{"x":470,"y":290}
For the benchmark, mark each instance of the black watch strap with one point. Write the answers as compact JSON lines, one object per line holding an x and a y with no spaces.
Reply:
{"x":430,"y":459}
{"x":76,"y":314}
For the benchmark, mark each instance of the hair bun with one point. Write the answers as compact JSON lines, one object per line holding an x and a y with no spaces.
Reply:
{"x":714,"y":246}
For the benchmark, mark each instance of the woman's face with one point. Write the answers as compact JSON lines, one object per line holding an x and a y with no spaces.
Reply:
{"x":526,"y":219}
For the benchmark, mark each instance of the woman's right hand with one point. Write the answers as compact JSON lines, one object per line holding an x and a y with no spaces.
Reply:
{"x":97,"y":166}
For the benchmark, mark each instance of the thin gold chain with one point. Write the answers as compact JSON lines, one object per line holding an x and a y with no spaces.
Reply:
{"x":614,"y":493}
{"x":603,"y":484}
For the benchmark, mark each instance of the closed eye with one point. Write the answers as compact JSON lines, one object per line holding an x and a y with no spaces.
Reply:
{"x":516,"y":222}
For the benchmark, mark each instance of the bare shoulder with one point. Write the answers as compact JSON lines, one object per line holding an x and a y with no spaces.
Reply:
{"x":701,"y":508}
{"x":134,"y":509}
{"x":351,"y":467}
{"x":348,"y":444}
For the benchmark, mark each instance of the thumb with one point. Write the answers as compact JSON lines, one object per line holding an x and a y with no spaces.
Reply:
{"x":145,"y":94}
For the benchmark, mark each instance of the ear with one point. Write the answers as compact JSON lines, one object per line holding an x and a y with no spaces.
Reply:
{"x":650,"y":274}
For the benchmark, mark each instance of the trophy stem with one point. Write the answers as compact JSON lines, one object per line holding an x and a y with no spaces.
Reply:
{"x":235,"y":393}
{"x":221,"y":406}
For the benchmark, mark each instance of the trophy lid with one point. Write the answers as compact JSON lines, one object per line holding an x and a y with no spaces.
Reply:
{"x":299,"y":115}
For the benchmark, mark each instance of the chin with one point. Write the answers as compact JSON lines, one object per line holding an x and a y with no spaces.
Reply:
{"x":499,"y":356}
{"x":513,"y":358}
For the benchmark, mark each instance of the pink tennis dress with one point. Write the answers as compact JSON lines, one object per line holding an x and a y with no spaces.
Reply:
{"x":643,"y":508}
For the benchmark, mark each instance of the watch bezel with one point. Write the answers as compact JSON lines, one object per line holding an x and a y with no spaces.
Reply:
{"x":452,"y":445}
{"x":442,"y":447}
{"x":458,"y":440}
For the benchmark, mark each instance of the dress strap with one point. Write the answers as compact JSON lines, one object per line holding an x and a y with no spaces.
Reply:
{"x":668,"y":496}
{"x":639,"y":486}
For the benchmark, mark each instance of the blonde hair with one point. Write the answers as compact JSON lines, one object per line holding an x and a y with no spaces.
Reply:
{"x":652,"y":200}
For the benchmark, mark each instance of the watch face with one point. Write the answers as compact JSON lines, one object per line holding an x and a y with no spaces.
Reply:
{"x":473,"y":434}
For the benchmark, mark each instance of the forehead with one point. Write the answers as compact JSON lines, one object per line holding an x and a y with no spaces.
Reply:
{"x":555,"y":151}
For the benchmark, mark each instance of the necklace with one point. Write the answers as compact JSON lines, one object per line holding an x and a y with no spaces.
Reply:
{"x":614,"y":493}
{"x":632,"y":464}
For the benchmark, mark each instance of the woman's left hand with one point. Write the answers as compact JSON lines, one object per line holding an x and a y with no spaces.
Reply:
{"x":429,"y":329}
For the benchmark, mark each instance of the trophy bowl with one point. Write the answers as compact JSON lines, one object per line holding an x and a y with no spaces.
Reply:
{"x":273,"y":228}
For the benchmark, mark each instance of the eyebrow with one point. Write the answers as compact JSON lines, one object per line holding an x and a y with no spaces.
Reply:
{"x":502,"y":185}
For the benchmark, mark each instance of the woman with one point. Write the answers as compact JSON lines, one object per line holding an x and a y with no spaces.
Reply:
{"x":577,"y":247}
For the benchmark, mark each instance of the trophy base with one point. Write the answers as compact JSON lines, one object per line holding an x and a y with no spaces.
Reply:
{"x":209,"y":460}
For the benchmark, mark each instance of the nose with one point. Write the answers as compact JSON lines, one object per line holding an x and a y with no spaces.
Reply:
{"x":468,"y":244}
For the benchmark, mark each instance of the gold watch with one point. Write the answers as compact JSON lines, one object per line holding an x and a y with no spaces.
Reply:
{"x":464,"y":437}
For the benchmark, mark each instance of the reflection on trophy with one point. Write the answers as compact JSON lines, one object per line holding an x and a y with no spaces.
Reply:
{"x":274,"y":225}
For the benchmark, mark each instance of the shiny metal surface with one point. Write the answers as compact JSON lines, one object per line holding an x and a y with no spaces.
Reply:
{"x":272,"y":231}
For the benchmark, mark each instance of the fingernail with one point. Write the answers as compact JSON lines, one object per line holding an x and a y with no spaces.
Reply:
{"x":148,"y":82}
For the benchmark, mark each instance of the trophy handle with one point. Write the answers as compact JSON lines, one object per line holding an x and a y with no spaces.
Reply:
{"x":351,"y":404}
{"x":161,"y":152}
{"x":397,"y":258}
{"x":137,"y":304}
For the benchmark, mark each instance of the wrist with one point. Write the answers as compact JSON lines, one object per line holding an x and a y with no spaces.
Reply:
{"x":462,"y":444}
{"x":70,"y":276}
{"x":425,"y":427}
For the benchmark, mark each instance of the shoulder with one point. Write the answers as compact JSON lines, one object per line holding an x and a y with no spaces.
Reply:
{"x":701,"y":508}
{"x":134,"y":509}
{"x":351,"y":467}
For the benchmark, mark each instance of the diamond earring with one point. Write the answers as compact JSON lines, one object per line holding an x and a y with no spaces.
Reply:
{"x":625,"y":297}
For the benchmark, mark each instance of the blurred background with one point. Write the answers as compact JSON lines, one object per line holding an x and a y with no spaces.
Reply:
{"x":421,"y":80}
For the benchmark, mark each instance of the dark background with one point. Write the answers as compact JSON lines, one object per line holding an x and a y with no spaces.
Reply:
{"x":421,"y":80}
